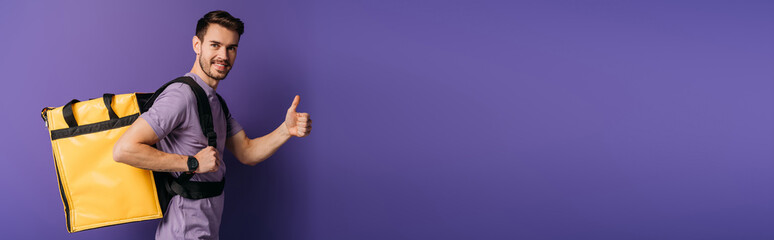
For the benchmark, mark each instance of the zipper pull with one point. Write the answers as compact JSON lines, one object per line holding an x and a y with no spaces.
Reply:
{"x":43,"y":115}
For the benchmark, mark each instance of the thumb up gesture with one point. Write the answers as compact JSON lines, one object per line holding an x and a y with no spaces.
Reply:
{"x":298,"y":124}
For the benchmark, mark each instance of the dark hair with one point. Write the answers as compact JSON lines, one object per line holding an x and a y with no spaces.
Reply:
{"x":221,"y":18}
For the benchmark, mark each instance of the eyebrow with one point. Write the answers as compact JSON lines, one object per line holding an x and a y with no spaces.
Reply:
{"x":216,"y":42}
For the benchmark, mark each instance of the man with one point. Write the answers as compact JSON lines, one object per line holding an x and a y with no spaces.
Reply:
{"x":172,"y":124}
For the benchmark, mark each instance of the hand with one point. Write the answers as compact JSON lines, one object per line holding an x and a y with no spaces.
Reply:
{"x":208,"y":160}
{"x":298,"y":124}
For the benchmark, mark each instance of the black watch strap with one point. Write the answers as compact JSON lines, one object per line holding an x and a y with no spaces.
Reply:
{"x":193,"y":164}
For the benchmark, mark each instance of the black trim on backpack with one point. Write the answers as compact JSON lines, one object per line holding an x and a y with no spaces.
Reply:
{"x":94,"y":127}
{"x":64,"y":197}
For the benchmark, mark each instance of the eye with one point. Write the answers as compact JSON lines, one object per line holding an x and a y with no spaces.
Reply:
{"x":215,"y":45}
{"x":231,"y":48}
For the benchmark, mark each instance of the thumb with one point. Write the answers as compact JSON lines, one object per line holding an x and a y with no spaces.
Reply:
{"x":295,"y":103}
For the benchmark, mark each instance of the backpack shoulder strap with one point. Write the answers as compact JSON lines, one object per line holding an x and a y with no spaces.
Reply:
{"x":202,"y":104}
{"x":166,"y":184}
{"x":226,"y":113}
{"x":203,"y":107}
{"x":224,"y":107}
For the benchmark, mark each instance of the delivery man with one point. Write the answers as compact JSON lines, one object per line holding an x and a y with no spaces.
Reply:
{"x":172,"y":124}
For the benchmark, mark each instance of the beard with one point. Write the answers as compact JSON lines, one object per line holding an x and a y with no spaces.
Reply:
{"x":214,"y":74}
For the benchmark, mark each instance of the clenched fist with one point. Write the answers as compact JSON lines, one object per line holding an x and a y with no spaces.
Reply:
{"x":208,"y":160}
{"x":298,"y":124}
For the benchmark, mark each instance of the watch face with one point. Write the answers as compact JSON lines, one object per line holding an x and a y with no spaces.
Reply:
{"x":193,"y":164}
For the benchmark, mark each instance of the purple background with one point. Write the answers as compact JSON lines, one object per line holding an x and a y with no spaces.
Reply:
{"x":433,"y":119}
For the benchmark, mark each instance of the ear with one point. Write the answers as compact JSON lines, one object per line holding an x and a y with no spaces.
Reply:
{"x":196,"y":44}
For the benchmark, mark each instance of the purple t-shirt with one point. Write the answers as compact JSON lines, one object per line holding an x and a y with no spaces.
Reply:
{"x":175,"y":119}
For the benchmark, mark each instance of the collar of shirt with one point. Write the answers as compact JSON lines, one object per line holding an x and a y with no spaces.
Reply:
{"x":207,"y":89}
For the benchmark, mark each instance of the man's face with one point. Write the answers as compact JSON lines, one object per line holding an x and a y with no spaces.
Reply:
{"x":217,"y":52}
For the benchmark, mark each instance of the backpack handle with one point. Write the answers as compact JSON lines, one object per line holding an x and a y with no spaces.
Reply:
{"x":69,"y":117}
{"x":67,"y":112}
{"x":107,"y":98}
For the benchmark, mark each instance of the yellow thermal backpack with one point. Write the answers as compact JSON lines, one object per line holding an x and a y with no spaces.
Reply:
{"x":97,"y":191}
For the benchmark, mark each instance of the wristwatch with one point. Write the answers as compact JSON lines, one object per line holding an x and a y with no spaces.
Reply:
{"x":193,"y":164}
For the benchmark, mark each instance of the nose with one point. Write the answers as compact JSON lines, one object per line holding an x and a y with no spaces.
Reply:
{"x":222,"y":54}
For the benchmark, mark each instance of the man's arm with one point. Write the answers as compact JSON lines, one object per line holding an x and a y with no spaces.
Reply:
{"x":135,"y":148}
{"x":252,"y":151}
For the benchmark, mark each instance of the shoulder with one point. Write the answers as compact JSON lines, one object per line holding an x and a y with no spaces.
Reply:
{"x":178,"y":94}
{"x":171,"y":108}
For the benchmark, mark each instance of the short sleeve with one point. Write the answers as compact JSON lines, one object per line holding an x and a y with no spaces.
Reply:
{"x":169,"y":110}
{"x":233,"y":126}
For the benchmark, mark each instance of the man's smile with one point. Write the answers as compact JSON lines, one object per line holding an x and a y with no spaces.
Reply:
{"x":220,"y":66}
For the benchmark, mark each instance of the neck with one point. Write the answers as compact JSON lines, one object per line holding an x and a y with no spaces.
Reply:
{"x":207,"y":79}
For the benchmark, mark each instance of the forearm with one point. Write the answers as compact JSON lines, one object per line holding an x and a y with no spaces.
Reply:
{"x":261,"y":148}
{"x":146,"y":157}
